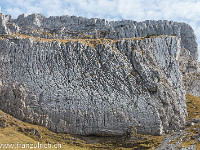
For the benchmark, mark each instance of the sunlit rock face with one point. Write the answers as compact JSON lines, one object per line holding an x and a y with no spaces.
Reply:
{"x":3,"y":27}
{"x":101,"y":88}
{"x":76,"y":27}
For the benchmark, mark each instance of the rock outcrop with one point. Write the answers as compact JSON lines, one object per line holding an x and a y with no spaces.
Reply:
{"x":91,"y":85}
{"x":79,"y":27}
{"x":78,"y":89}
{"x":192,"y":83}
{"x":3,"y":27}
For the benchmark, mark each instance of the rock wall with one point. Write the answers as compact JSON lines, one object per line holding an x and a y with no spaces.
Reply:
{"x":3,"y":27}
{"x":192,"y":83}
{"x":79,"y":27}
{"x":103,"y":90}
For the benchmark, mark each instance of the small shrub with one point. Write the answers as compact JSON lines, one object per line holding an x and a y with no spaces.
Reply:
{"x":94,"y":36}
{"x":148,"y":35}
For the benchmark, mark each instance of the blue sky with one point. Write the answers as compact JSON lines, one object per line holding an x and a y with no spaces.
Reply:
{"x":177,"y":10}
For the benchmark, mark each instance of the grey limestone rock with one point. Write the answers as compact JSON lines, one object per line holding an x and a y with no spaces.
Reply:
{"x":192,"y":83}
{"x":103,"y":90}
{"x":3,"y":27}
{"x":76,"y":27}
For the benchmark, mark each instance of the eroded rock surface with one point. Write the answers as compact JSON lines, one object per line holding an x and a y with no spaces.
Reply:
{"x":102,"y":88}
{"x":3,"y":27}
{"x":74,"y":88}
{"x":80,"y":27}
{"x":192,"y":83}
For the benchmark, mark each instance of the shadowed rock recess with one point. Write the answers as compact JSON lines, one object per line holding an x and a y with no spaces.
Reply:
{"x":92,"y":77}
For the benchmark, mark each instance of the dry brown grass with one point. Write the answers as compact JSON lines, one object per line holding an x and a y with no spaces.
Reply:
{"x":18,"y":131}
{"x":193,"y":108}
{"x":86,"y":40}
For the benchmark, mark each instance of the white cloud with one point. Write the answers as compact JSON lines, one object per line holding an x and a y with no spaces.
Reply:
{"x":178,"y":10}
{"x":15,"y":10}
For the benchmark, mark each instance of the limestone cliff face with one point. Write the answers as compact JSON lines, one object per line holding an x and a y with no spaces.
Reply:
{"x":192,"y":83}
{"x":3,"y":27}
{"x":78,"y":89}
{"x":79,"y":27}
{"x":102,"y":86}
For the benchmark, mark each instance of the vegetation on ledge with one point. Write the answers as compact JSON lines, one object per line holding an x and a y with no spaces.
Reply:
{"x":92,"y":42}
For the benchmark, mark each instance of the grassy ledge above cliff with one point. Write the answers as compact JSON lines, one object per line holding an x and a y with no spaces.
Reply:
{"x":92,"y":42}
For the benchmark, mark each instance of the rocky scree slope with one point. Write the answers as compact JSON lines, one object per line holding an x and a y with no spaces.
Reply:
{"x":95,"y":88}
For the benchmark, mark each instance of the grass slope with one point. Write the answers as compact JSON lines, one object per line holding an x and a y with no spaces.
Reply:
{"x":192,"y":134}
{"x":13,"y":131}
